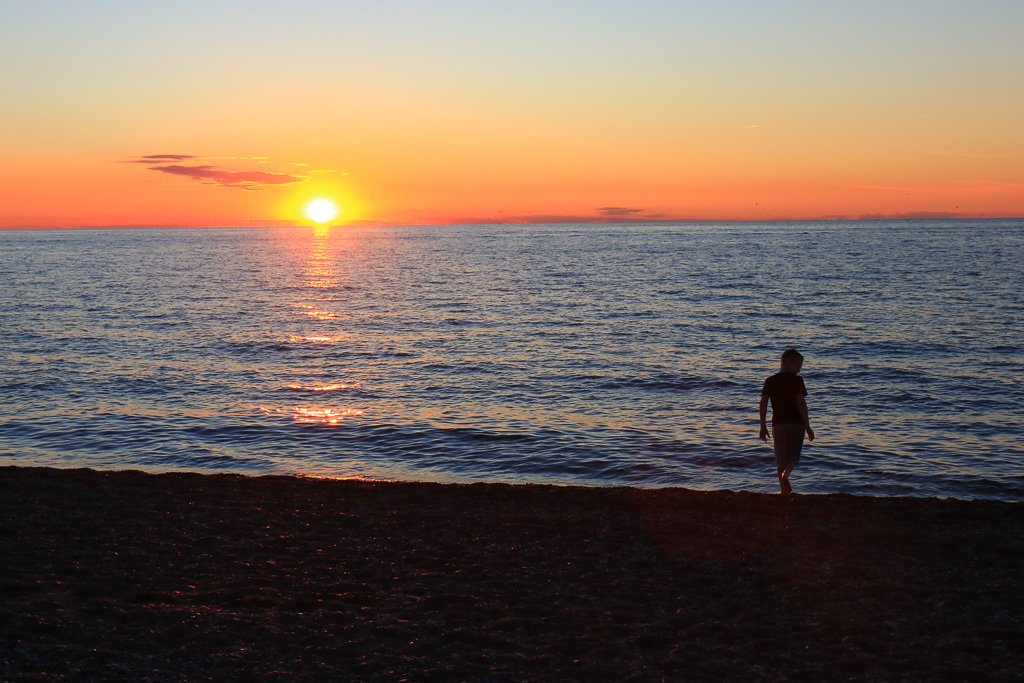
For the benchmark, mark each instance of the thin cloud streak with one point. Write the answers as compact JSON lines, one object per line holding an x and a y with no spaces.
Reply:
{"x":618,"y":211}
{"x":542,"y":218}
{"x":159,"y":158}
{"x":212,"y":175}
{"x":209,"y":174}
{"x":910,"y":216}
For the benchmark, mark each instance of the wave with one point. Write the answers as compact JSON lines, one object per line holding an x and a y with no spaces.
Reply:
{"x":663,"y":382}
{"x":322,"y":388}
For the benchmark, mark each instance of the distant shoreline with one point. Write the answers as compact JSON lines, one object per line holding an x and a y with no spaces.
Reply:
{"x":125,"y":576}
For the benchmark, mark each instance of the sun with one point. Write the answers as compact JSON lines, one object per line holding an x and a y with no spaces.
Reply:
{"x":321,"y":210}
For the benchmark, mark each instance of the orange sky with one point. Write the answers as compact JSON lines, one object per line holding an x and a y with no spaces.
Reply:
{"x":223,"y":113}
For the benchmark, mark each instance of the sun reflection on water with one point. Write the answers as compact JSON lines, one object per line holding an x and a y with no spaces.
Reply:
{"x":314,"y":312}
{"x":316,"y":338}
{"x":329,"y":387}
{"x":314,"y":414}
{"x":321,"y":273}
{"x":324,"y":415}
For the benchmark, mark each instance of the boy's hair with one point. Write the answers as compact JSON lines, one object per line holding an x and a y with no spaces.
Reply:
{"x":791,"y":356}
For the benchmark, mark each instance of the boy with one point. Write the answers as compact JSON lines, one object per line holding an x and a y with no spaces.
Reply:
{"x":786,"y":391}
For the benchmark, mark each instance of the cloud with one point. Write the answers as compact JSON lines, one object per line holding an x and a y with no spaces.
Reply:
{"x":547,"y":218}
{"x":159,"y":158}
{"x":910,"y":216}
{"x":190,"y":166}
{"x":617,"y":211}
{"x":214,"y":175}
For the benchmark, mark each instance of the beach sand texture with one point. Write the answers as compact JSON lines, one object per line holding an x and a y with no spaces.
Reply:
{"x":187,"y":577}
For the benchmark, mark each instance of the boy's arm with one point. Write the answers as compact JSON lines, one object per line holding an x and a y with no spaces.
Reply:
{"x":801,"y":405}
{"x":763,"y":408}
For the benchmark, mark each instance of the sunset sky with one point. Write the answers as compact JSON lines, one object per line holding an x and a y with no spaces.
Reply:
{"x":240,"y":113}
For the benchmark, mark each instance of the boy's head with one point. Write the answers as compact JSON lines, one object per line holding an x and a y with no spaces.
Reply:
{"x":792,"y":360}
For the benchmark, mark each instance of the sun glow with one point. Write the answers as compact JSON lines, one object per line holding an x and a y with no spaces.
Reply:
{"x":321,"y":210}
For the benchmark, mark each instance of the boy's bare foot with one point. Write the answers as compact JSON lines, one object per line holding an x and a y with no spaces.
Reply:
{"x":786,"y":488}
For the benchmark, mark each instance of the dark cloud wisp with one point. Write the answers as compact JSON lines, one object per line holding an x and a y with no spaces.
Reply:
{"x":160,"y":158}
{"x":909,"y":216}
{"x":618,"y":211}
{"x":188,"y":166}
{"x":216,"y":176}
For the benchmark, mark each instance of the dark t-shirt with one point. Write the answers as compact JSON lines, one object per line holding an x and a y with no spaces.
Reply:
{"x":783,"y":388}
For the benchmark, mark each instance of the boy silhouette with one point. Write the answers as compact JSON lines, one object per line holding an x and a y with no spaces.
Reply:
{"x":785,"y":389}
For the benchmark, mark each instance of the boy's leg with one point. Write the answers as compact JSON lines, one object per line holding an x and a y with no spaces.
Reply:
{"x":788,"y":441}
{"x":781,"y":444}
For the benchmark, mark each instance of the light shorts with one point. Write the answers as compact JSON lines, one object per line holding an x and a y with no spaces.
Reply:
{"x":788,"y":440}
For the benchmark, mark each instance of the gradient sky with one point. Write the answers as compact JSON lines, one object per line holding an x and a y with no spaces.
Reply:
{"x":238,"y":113}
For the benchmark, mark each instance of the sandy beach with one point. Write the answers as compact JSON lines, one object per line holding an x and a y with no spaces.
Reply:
{"x":186,"y":577}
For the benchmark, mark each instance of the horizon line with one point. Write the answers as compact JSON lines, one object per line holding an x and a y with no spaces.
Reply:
{"x":367,"y":223}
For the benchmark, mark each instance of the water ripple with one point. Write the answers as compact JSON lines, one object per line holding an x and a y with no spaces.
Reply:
{"x":605,"y":355}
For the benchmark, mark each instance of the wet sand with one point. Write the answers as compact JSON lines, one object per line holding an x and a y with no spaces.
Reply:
{"x":185,"y":577}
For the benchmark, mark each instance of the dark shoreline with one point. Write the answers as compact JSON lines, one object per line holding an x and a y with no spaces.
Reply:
{"x":187,"y":577}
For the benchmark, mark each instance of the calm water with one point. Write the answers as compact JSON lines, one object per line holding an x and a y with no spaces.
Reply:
{"x":598,"y":354}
